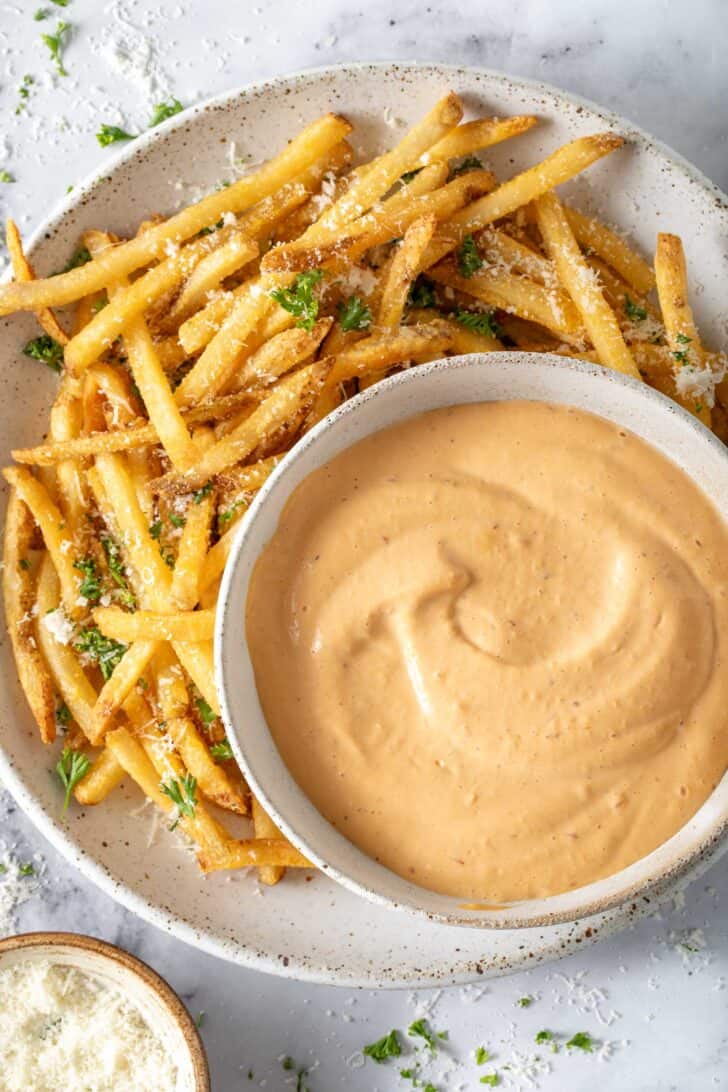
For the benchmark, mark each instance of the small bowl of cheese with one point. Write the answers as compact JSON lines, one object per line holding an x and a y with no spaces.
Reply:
{"x":76,"y":1012}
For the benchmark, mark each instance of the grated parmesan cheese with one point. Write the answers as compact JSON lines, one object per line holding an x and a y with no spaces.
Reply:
{"x":61,"y":1029}
{"x":59,"y":625}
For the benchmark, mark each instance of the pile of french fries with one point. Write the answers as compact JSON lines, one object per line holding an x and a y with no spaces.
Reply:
{"x":203,"y":347}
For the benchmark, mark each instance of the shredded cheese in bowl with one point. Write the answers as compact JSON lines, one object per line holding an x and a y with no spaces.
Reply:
{"x":61,"y":1028}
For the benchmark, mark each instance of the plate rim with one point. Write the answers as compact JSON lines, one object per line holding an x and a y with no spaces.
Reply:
{"x":236,"y":950}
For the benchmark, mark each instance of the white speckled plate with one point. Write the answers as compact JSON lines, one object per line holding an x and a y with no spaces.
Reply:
{"x":317,"y":930}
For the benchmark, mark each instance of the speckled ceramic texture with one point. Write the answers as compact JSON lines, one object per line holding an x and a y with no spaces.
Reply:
{"x":317,"y":930}
{"x":475,"y":378}
{"x":159,"y":1005}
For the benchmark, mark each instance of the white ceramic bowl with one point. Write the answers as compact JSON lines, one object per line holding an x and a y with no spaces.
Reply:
{"x":475,"y":378}
{"x":157,"y":1002}
{"x":319,"y":931}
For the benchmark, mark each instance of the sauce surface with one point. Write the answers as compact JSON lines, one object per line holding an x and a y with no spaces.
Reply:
{"x":491,"y":646}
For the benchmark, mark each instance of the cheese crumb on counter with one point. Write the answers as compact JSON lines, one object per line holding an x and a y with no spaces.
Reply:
{"x":61,"y":1029}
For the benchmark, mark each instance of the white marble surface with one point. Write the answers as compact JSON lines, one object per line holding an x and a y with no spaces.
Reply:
{"x":658,"y":992}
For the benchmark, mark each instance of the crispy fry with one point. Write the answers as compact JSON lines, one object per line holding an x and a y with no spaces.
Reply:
{"x":23,"y":271}
{"x":583,"y":287}
{"x":191,"y":625}
{"x":104,"y":775}
{"x":403,"y":270}
{"x":212,"y":779}
{"x":193,"y":543}
{"x":198,"y":662}
{"x":612,"y":249}
{"x":19,"y":593}
{"x":119,"y":686}
{"x":254,"y":853}
{"x":472,"y":136}
{"x":281,"y":353}
{"x":266,"y":828}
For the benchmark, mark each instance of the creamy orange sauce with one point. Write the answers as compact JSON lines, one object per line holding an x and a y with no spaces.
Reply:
{"x":490,"y":643}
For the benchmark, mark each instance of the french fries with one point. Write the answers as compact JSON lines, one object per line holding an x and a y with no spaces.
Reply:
{"x":204,"y":346}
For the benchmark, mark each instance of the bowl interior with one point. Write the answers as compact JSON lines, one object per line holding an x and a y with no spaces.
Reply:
{"x":159,"y":1006}
{"x":476,"y":378}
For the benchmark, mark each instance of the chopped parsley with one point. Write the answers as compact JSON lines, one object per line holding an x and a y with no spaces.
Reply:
{"x":155,"y":529}
{"x":409,"y":175}
{"x":422,"y":293}
{"x":24,"y":563}
{"x":223,"y":518}
{"x":182,"y":795}
{"x":56,"y":43}
{"x":698,"y":407}
{"x":544,"y":1037}
{"x":480,"y":322}
{"x":681,"y":356}
{"x":633,"y":311}
{"x":78,"y":258}
{"x":581,"y":1041}
{"x":164,"y":110}
{"x":470,"y":163}
{"x":24,"y":93}
{"x":116,"y":571}
{"x":5,"y":176}
{"x":683,"y":339}
{"x":72,"y":766}
{"x":481,"y":1055}
{"x":469,"y":259}
{"x":200,"y":1019}
{"x":525,"y":1002}
{"x":103,"y":651}
{"x":199,"y":495}
{"x":63,"y":715}
{"x":418,"y":1029}
{"x":46,"y":349}
{"x":61,"y":3}
{"x":386,"y":1047}
{"x":222,"y":751}
{"x":289,"y":1064}
{"x":491,"y":1079}
{"x":299,"y":300}
{"x":112,"y":134}
{"x":26,"y":869}
{"x":90,"y":586}
{"x":177,"y":521}
{"x":41,"y":14}
{"x":354,"y":314}
{"x":207,"y":714}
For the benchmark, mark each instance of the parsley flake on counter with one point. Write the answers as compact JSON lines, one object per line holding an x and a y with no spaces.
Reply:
{"x":470,"y":163}
{"x":164,"y":110}
{"x":491,"y":1079}
{"x":41,"y":14}
{"x":24,"y":93}
{"x":418,"y":1029}
{"x":5,"y":176}
{"x":61,"y":3}
{"x":46,"y":349}
{"x":221,"y":751}
{"x":26,"y":869}
{"x":105,"y":652}
{"x":469,"y":259}
{"x":56,"y":43}
{"x":182,"y":795}
{"x":299,"y":300}
{"x":90,"y":586}
{"x":422,"y":293}
{"x":386,"y":1047}
{"x":71,"y":768}
{"x":480,"y":322}
{"x":481,"y":1055}
{"x":581,"y":1041}
{"x":354,"y":314}
{"x":544,"y":1037}
{"x":112,"y":134}
{"x":633,"y":310}
{"x":116,"y":571}
{"x":524,"y":1002}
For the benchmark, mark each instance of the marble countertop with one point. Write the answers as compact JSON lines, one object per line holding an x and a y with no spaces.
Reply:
{"x":655,"y":997}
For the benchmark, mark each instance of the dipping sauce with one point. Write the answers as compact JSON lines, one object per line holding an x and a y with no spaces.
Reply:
{"x":491,"y":645}
{"x":61,"y":1029}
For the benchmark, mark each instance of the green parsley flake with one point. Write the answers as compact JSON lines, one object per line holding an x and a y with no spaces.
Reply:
{"x":24,"y":93}
{"x":491,"y":1079}
{"x":223,"y":518}
{"x":469,"y":259}
{"x":46,"y":349}
{"x":116,"y":571}
{"x":581,"y":1041}
{"x":299,"y":300}
{"x":681,"y":356}
{"x":71,"y":768}
{"x":470,"y":163}
{"x":387,"y":1047}
{"x":418,"y":1029}
{"x":103,"y":651}
{"x":56,"y":43}
{"x":221,"y":751}
{"x":5,"y":176}
{"x":201,"y":493}
{"x":633,"y":311}
{"x":78,"y":258}
{"x":24,"y":563}
{"x":164,"y":110}
{"x":90,"y":586}
{"x":407,"y":177}
{"x":63,"y":715}
{"x":200,"y":1019}
{"x":422,"y":293}
{"x":480,"y":322}
{"x":354,"y":314}
{"x":207,"y":714}
{"x":155,"y":529}
{"x":61,"y":3}
{"x":544,"y":1037}
{"x":524,"y":1002}
{"x":41,"y":14}
{"x":26,"y":869}
{"x":112,"y":134}
{"x":683,"y":339}
{"x":182,"y":795}
{"x":481,"y":1055}
{"x":177,"y":521}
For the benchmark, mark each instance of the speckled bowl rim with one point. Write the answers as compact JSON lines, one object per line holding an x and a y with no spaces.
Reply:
{"x":105,"y":952}
{"x":49,"y":826}
{"x":230,"y":631}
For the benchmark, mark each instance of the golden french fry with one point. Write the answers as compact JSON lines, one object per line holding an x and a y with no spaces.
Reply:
{"x":266,"y":828}
{"x":583,"y":287}
{"x":209,"y":273}
{"x":612,"y":249}
{"x":403,"y":270}
{"x":19,"y":595}
{"x":131,"y":756}
{"x":212,"y":779}
{"x":119,"y":686}
{"x":682,"y":334}
{"x":59,"y":542}
{"x":388,"y":348}
{"x":464,"y":340}
{"x":23,"y":271}
{"x":144,"y":625}
{"x":102,"y":778}
{"x":472,"y":136}
{"x":503,"y":251}
{"x":197,"y":660}
{"x":191,"y":553}
{"x":281,"y":353}
{"x":313,"y":142}
{"x":254,"y":853}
